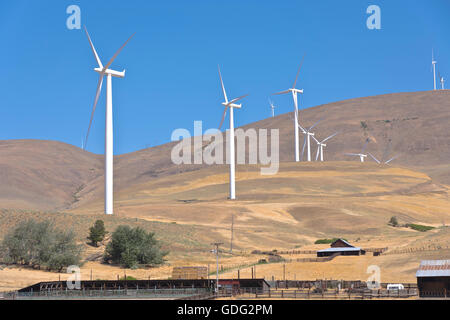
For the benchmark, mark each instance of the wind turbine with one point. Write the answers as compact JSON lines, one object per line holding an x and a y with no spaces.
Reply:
{"x":441,"y":79}
{"x":307,"y":140}
{"x":321,"y":145}
{"x":361,"y":155}
{"x":294,"y":93}
{"x":230,"y":104}
{"x":379,"y":162}
{"x":272,"y":107}
{"x":109,"y":73}
{"x":433,"y":63}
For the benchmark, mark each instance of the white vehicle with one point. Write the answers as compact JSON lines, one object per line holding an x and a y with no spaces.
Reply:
{"x":395,"y":287}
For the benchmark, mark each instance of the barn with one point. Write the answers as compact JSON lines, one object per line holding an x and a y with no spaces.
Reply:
{"x":340,"y":247}
{"x":433,"y":278}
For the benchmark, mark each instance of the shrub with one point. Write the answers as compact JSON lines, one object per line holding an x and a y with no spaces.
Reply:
{"x":39,"y":244}
{"x":97,"y":232}
{"x":419,"y":227}
{"x":128,"y":278}
{"x":393,"y":222}
{"x":131,"y":247}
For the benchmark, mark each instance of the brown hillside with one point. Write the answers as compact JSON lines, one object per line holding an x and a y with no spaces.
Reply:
{"x":52,"y":175}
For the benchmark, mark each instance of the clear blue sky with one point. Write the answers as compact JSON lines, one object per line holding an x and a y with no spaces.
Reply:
{"x":47,"y":83}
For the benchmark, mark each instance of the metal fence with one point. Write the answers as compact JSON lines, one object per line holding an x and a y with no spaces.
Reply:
{"x":110,"y":294}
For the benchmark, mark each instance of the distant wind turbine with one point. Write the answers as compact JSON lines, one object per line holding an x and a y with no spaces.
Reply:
{"x":433,"y":63}
{"x":294,"y":93}
{"x":361,"y":155}
{"x":109,"y":73}
{"x":321,"y":145}
{"x":441,"y":79}
{"x":231,"y":105}
{"x":272,"y":107}
{"x":307,"y":140}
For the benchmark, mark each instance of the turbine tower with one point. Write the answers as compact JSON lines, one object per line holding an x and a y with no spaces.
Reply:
{"x":321,"y":145}
{"x":433,"y":63}
{"x":109,"y":73}
{"x":230,"y":104}
{"x":294,"y":93}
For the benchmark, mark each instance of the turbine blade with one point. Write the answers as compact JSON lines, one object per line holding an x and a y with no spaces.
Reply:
{"x":318,"y":150}
{"x":223,"y":117}
{"x":317,"y":141}
{"x":223,"y":87}
{"x":281,"y":92}
{"x":374,"y":158}
{"x":303,"y":149}
{"x":391,"y":159}
{"x":351,"y":154}
{"x":93,"y":49}
{"x":97,"y":96}
{"x":315,"y":124}
{"x":330,"y":137}
{"x":117,"y":53}
{"x":237,"y":99}
{"x":298,"y":72}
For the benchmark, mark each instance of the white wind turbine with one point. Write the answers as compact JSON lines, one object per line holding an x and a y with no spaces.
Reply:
{"x":272,"y":107}
{"x":361,"y":155}
{"x":109,"y":73}
{"x":307,"y":140}
{"x":441,"y":79}
{"x":433,"y":63}
{"x":230,"y":104}
{"x":379,"y":162}
{"x":321,"y":145}
{"x":294,"y":93}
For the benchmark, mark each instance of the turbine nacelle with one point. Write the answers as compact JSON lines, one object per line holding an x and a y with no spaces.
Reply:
{"x":113,"y":73}
{"x":296,"y":90}
{"x":232,"y":105}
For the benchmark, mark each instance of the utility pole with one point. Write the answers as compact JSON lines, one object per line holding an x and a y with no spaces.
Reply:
{"x":232,"y":226}
{"x":216,"y":251}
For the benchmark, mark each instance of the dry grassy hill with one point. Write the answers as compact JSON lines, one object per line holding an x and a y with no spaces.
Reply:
{"x":51,"y":175}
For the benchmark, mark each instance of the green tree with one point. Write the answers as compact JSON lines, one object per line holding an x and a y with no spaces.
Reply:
{"x":393,"y":222}
{"x":97,"y":232}
{"x":131,"y":247}
{"x":39,"y":244}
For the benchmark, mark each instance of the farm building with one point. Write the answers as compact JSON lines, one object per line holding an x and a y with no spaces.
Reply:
{"x":340,"y":247}
{"x":433,"y":278}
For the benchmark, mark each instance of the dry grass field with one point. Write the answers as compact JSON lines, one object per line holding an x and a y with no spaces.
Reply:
{"x":302,"y":203}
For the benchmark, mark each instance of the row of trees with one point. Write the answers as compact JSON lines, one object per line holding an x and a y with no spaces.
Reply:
{"x":40,"y":244}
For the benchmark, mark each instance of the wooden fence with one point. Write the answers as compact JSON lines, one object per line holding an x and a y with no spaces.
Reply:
{"x":418,"y":249}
